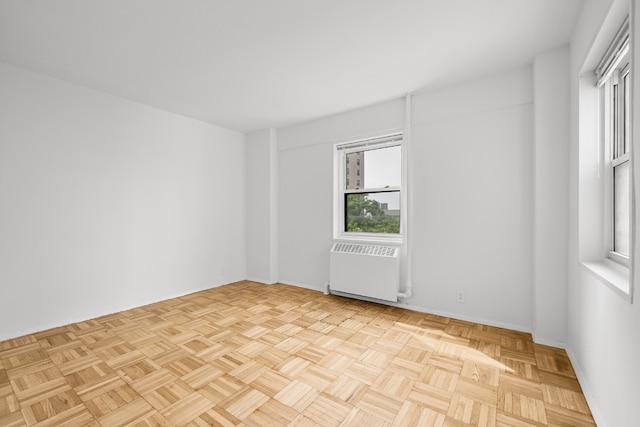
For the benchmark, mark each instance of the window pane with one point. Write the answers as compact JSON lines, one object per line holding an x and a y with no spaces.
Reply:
{"x":353,"y":171}
{"x":373,"y":212}
{"x":615,"y":122}
{"x":627,"y":114}
{"x":379,"y":168}
{"x":621,"y":208}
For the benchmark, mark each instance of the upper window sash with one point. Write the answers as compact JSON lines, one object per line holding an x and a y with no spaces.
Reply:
{"x":619,"y":111}
{"x":370,"y":144}
{"x":617,"y":50}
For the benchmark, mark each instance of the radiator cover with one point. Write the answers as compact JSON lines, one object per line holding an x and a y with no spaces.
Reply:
{"x":365,"y":270}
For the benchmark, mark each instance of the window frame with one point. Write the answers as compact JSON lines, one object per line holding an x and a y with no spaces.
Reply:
{"x":615,"y":84}
{"x":594,"y":154}
{"x":341,"y":150}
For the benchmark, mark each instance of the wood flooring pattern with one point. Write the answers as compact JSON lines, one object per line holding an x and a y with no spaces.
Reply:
{"x":248,"y":354}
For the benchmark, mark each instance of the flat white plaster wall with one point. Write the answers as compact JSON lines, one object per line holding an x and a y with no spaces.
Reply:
{"x":551,"y":191}
{"x":107,"y":204}
{"x":305,"y":207}
{"x":603,"y":329}
{"x":262,"y":202}
{"x":472,"y":196}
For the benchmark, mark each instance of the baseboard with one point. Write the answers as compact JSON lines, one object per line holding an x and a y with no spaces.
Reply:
{"x":586,"y":389}
{"x":301,"y":285}
{"x":457,"y":316}
{"x":71,"y":320}
{"x":488,"y":322}
{"x":549,"y":343}
{"x":259,"y":280}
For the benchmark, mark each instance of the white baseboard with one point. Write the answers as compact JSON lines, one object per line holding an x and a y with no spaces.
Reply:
{"x":52,"y":324}
{"x":301,"y":285}
{"x":259,"y":280}
{"x":457,"y":316}
{"x":586,"y":389}
{"x":420,"y":309}
{"x":550,"y":343}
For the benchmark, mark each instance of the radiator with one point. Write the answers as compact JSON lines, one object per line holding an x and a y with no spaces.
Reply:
{"x":365,"y":270}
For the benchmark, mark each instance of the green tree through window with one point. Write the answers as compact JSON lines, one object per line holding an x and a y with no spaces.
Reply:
{"x":365,"y":215}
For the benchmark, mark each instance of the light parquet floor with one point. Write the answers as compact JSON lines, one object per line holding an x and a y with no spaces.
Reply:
{"x":273,"y":355}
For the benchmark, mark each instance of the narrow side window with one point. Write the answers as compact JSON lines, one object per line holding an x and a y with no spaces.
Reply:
{"x":613,"y":74}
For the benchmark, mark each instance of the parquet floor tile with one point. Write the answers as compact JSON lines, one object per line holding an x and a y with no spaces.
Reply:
{"x":248,"y":354}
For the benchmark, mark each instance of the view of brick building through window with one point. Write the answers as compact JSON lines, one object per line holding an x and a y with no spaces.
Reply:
{"x":355,"y":170}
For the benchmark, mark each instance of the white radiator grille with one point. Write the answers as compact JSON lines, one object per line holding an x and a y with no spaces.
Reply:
{"x":358,"y":248}
{"x":365,"y":270}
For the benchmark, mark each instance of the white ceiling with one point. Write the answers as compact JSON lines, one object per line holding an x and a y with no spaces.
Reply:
{"x":252,"y":64}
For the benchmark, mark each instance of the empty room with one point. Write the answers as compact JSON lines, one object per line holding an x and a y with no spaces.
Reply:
{"x":319,"y":213}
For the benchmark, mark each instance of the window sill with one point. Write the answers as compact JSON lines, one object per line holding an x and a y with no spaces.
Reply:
{"x":376,"y":239}
{"x":612,"y":274}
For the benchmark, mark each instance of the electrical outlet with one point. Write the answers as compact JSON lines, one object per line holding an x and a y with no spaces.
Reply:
{"x":460,"y":297}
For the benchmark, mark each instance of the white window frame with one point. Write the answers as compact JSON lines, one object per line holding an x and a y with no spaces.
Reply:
{"x":341,"y":150}
{"x":595,"y":170}
{"x":611,"y":71}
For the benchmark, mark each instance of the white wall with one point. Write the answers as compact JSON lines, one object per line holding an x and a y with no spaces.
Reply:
{"x":551,"y":191}
{"x":603,"y":328}
{"x":262,"y":203}
{"x":106,"y":204}
{"x":472,"y":194}
{"x":305,"y":205}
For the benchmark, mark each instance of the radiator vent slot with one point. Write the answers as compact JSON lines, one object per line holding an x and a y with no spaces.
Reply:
{"x":357,"y":248}
{"x":365,"y":270}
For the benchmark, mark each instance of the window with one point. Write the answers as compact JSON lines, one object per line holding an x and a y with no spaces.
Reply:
{"x":605,"y":186}
{"x":613,"y":75}
{"x":369,"y":197}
